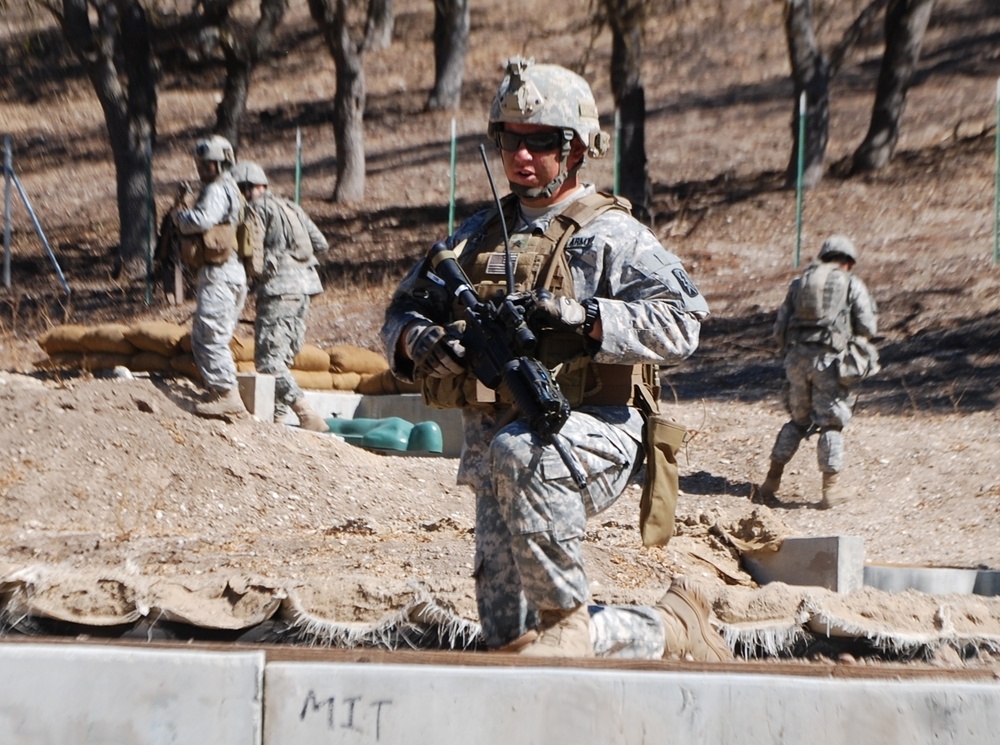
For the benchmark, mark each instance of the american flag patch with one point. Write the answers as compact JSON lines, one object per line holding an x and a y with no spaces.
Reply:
{"x":497,"y":263}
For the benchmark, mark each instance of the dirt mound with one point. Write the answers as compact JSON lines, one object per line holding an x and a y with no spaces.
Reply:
{"x":122,"y":511}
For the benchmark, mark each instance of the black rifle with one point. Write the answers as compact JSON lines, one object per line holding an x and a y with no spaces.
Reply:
{"x":500,"y":346}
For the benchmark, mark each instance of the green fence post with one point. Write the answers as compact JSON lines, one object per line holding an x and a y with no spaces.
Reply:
{"x":798,"y":178}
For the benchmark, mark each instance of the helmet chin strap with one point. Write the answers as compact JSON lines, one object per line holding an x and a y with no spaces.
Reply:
{"x":544,"y":192}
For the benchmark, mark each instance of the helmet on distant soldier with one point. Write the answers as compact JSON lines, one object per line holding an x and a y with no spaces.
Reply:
{"x":248,"y":172}
{"x":215,"y":149}
{"x":837,"y":246}
{"x":550,"y":96}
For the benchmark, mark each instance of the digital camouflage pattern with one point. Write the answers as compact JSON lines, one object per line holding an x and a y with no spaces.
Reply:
{"x":288,"y":280}
{"x":814,"y":395}
{"x":222,"y":288}
{"x":530,"y":518}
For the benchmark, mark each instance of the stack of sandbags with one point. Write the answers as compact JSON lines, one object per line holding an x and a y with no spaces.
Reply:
{"x":145,"y":347}
{"x":165,"y":347}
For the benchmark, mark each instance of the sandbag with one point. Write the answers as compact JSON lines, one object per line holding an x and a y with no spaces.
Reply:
{"x":347,"y":381}
{"x":108,"y":337}
{"x":312,"y":358}
{"x":314,"y":379}
{"x":91,"y":361}
{"x":149,"y":362}
{"x":347,"y":358}
{"x":65,"y":338}
{"x":185,"y":365}
{"x":161,"y":337}
{"x":242,"y":349}
{"x":60,"y":361}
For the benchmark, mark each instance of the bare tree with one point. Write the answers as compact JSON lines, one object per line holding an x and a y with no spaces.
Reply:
{"x":339,"y":22}
{"x":625,"y":17}
{"x":381,"y":20}
{"x":905,"y":24}
{"x":112,"y":40}
{"x":451,"y":43}
{"x":242,"y":48}
{"x":812,"y":73}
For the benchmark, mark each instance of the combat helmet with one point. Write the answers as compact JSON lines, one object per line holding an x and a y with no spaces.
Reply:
{"x":551,"y":96}
{"x":216,"y":149}
{"x":837,"y":246}
{"x":248,"y":172}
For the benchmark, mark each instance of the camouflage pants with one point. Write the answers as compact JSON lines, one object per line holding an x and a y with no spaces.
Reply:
{"x":219,"y":306}
{"x":279,"y":333}
{"x":530,"y":524}
{"x":815,"y":399}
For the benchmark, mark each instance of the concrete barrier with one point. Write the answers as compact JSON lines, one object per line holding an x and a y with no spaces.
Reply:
{"x":833,"y":562}
{"x":63,"y":694}
{"x":316,"y":704}
{"x":70,"y":694}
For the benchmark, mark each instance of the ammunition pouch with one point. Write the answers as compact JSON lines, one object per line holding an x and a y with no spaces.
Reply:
{"x":451,"y":392}
{"x":858,"y":361}
{"x":219,"y":242}
{"x":214,"y":246}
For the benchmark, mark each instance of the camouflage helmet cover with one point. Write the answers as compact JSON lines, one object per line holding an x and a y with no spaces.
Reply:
{"x":838,"y":245}
{"x":248,"y":172}
{"x":548,"y":95}
{"x":215,"y":148}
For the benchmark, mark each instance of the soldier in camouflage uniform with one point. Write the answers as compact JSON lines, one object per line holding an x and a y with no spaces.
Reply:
{"x":823,"y":311}
{"x":288,"y":280}
{"x":222,"y":287}
{"x":606,"y":300}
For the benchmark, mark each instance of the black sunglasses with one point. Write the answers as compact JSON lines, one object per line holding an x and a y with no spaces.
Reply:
{"x":535,"y":142}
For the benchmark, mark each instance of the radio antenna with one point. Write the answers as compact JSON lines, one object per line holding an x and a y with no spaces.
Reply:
{"x":508,"y":262}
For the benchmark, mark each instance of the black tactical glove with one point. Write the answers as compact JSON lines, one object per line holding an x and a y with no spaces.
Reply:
{"x":559,"y":313}
{"x":436,"y":351}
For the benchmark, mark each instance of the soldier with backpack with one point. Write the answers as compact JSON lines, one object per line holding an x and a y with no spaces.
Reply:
{"x":824,"y":328}
{"x":287,"y":280}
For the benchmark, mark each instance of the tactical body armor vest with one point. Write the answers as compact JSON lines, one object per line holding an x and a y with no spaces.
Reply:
{"x":219,"y":242}
{"x":539,"y":262}
{"x":821,"y":314}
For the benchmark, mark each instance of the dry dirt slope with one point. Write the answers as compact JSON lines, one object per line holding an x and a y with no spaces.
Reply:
{"x":249,"y":507}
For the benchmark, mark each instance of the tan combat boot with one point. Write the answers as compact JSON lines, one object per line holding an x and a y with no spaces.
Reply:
{"x":516,"y":646}
{"x":833,"y":493}
{"x":769,"y":489}
{"x":562,"y":633}
{"x":221,"y":404}
{"x":686,"y":628}
{"x":309,"y":419}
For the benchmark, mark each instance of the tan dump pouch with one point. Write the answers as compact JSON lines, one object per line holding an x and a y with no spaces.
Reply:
{"x":219,"y":243}
{"x":661,"y":486}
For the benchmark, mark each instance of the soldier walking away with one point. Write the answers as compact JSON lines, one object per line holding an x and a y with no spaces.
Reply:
{"x":209,"y":245}
{"x":288,"y":279}
{"x":608,"y":305}
{"x":824,"y":329}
